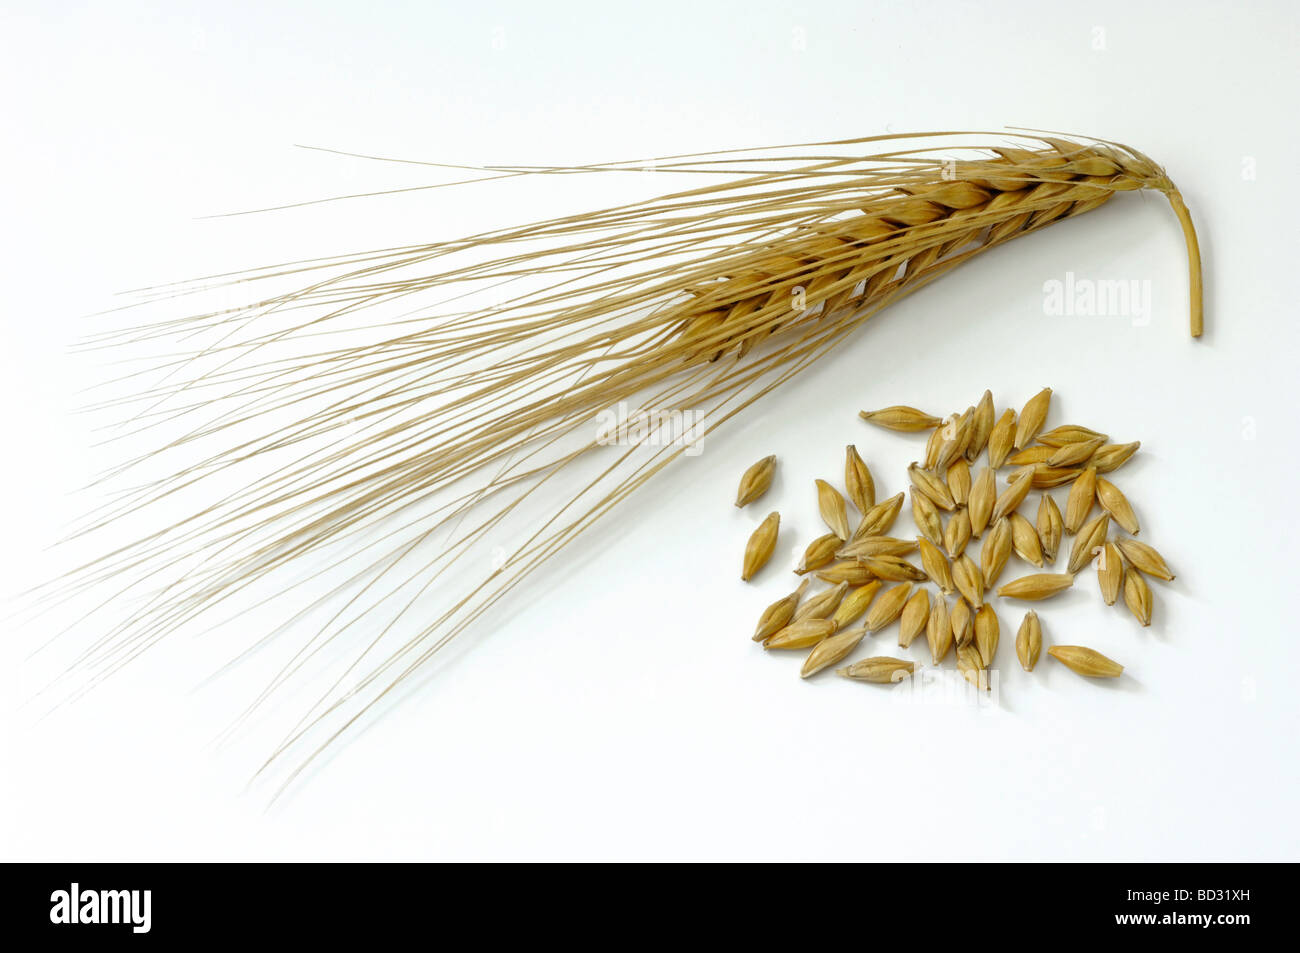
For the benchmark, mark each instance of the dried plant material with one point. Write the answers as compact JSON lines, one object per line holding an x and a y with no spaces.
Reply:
{"x":638,"y":303}
{"x":1050,"y":526}
{"x":1110,"y":573}
{"x":900,"y":418}
{"x":1042,"y":585}
{"x":934,"y":447}
{"x":1030,"y":456}
{"x":875,"y":546}
{"x":1073,"y":454}
{"x":881,"y":669}
{"x":1092,"y":536}
{"x":850,"y":571}
{"x":857,"y":480}
{"x":1079,"y":503}
{"x":822,"y":605}
{"x":961,"y":619}
{"x":1045,"y":477}
{"x":834,"y":512}
{"x":1117,"y":505}
{"x":756,"y":481}
{"x":1032,"y":418}
{"x":1024,"y":539}
{"x":957,"y":533}
{"x":801,"y":634}
{"x":1060,"y":436}
{"x":1113,"y":456}
{"x":981,"y":427}
{"x":893,"y":569}
{"x":914,"y":618}
{"x":1029,"y":641}
{"x":830,"y":650}
{"x":955,"y":443}
{"x":996,"y":551}
{"x":1001,"y":438}
{"x":888,"y":607}
{"x":878,"y":520}
{"x":987,"y":633}
{"x":968,"y":579}
{"x":1145,"y":558}
{"x":938,"y":630}
{"x":855,"y":603}
{"x":971,"y":666}
{"x":1012,"y":496}
{"x":935,"y":565}
{"x":762,"y":543}
{"x":983,"y":494}
{"x":926,"y":516}
{"x":931,"y":486}
{"x":958,"y":479}
{"x":1086,"y":661}
{"x":819,"y":553}
{"x":1137,"y":596}
{"x":778,"y":615}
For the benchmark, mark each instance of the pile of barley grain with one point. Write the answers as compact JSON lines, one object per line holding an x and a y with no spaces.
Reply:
{"x":951,"y":506}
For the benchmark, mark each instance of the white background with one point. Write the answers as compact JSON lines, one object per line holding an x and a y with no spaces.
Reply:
{"x":623,"y":713}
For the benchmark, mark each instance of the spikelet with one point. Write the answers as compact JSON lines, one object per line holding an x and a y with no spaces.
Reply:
{"x":1060,"y":436}
{"x":958,"y":480}
{"x":1146,"y":558}
{"x":1113,"y":456}
{"x":1042,"y":585}
{"x":1137,"y":596}
{"x":1088,"y":543}
{"x":1032,"y":418}
{"x":877,"y":520}
{"x":875,"y":546}
{"x":1024,"y":540}
{"x":914,"y":618}
{"x":801,"y":634}
{"x":855,"y":603}
{"x":935,"y":564}
{"x":926,"y":516}
{"x":938,"y":630}
{"x":1117,"y":505}
{"x":1086,"y":661}
{"x":820,"y":552}
{"x":983,"y":494}
{"x":957,"y":533}
{"x":901,"y":418}
{"x":1110,"y":573}
{"x":833,"y":510}
{"x":830,"y":650}
{"x":981,"y":427}
{"x":756,"y":480}
{"x":776,"y":616}
{"x":961,"y":619}
{"x":849,"y":571}
{"x":762,"y":543}
{"x":1079,"y":503}
{"x":888,"y":607}
{"x":1001,"y":439}
{"x":1029,"y":641}
{"x":986,"y":633}
{"x":1050,"y":526}
{"x":931,"y":486}
{"x":881,"y":670}
{"x":858,"y":481}
{"x":822,"y":605}
{"x":996,"y":550}
{"x":968,"y":579}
